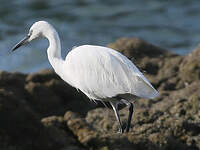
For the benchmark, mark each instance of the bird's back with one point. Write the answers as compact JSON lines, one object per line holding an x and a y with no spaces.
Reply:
{"x":101,"y":73}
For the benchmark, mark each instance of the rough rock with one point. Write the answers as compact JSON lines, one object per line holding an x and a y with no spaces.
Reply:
{"x":137,"y":48}
{"x":20,"y":123}
{"x":49,"y":95}
{"x":40,"y":111}
{"x":190,"y":67}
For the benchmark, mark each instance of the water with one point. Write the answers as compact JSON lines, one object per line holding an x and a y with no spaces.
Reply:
{"x":173,"y":25}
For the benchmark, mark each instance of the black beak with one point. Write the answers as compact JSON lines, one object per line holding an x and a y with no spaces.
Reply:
{"x":22,"y":42}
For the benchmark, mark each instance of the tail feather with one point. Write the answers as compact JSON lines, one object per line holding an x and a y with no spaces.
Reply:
{"x":147,"y":90}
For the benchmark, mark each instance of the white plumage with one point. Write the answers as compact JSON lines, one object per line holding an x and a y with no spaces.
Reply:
{"x":102,"y":72}
{"x":99,"y":72}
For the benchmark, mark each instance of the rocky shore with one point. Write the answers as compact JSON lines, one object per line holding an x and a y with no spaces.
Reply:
{"x":40,"y":112}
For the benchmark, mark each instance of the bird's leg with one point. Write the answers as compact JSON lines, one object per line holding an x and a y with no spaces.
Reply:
{"x":130,"y":107}
{"x":115,"y":108}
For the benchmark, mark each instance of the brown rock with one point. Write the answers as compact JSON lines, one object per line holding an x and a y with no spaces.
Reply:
{"x":20,"y":125}
{"x":190,"y":67}
{"x":137,"y":48}
{"x":170,"y":121}
{"x":42,"y":76}
{"x":51,"y":95}
{"x":20,"y":128}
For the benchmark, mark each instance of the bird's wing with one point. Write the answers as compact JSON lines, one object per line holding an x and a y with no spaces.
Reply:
{"x":101,"y":72}
{"x":140,"y":86}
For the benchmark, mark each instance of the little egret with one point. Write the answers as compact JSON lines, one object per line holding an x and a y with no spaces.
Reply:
{"x":101,"y":73}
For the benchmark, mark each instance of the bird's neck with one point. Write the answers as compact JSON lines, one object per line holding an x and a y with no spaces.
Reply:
{"x":54,"y":51}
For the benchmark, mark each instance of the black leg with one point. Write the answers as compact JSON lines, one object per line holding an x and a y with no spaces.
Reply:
{"x":115,"y":108}
{"x":130,"y":107}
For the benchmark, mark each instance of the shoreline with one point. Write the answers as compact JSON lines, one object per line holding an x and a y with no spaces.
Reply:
{"x":40,"y":111}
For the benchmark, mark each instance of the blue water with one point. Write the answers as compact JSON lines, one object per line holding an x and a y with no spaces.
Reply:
{"x":172,"y":25}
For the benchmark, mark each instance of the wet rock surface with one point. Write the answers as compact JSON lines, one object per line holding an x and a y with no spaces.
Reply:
{"x":40,"y":111}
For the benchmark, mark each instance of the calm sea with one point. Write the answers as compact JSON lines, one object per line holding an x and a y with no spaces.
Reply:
{"x":173,"y":25}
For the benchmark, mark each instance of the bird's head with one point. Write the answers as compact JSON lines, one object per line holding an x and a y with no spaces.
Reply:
{"x":38,"y":29}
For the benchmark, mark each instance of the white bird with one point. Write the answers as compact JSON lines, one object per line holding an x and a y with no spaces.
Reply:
{"x":99,"y":72}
